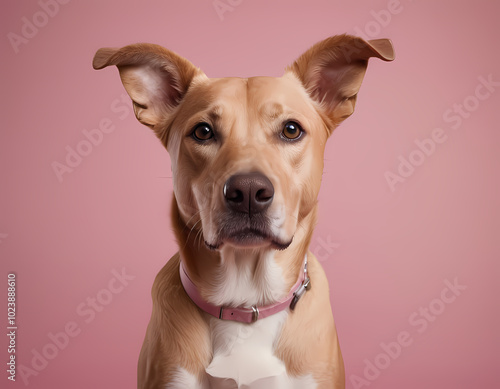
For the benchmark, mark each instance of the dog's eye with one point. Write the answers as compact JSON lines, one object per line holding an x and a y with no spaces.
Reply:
{"x":203,"y":132}
{"x":291,"y":131}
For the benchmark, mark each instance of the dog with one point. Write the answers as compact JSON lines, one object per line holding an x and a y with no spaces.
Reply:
{"x":243,"y":304}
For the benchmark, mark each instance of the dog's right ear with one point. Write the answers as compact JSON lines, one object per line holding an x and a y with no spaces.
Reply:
{"x":155,"y":78}
{"x":332,"y":71}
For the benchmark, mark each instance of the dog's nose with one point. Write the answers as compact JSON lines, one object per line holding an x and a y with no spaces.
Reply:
{"x":248,"y":193}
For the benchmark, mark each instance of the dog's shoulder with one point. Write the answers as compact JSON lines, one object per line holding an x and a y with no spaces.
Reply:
{"x":167,"y":281}
{"x":177,"y":335}
{"x":172,"y":307}
{"x":313,"y":319}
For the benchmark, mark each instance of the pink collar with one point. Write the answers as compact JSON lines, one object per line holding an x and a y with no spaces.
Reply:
{"x":247,"y":315}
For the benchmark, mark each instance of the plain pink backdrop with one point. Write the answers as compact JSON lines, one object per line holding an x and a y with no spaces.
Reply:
{"x":388,"y":253}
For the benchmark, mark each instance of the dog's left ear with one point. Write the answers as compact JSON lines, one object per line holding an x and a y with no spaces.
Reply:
{"x":155,"y":78}
{"x":332,"y":71}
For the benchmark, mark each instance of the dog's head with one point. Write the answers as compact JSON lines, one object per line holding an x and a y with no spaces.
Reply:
{"x":247,"y":154}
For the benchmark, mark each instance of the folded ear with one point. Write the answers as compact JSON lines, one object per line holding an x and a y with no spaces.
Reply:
{"x":155,"y":78}
{"x":332,"y":71}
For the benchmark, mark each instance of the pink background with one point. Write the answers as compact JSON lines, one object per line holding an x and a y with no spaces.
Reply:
{"x":390,"y":252}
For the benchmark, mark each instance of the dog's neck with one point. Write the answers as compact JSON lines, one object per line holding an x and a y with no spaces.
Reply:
{"x":239,"y":277}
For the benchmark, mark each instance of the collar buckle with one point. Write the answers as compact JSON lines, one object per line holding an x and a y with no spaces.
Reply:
{"x":255,"y":313}
{"x":306,"y":285}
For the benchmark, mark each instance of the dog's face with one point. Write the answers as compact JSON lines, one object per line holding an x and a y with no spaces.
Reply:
{"x":253,"y":152}
{"x":247,"y":154}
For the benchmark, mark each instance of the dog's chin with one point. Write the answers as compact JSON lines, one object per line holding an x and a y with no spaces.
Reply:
{"x":249,"y":239}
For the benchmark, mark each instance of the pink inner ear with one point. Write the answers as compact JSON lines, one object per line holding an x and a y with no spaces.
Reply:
{"x":335,"y":83}
{"x":152,"y":87}
{"x":327,"y":85}
{"x":332,"y":71}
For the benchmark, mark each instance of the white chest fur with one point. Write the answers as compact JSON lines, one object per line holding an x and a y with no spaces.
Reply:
{"x":244,"y":359}
{"x":246,"y":280}
{"x":243,"y":354}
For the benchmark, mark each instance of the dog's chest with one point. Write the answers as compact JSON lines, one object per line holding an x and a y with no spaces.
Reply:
{"x":244,"y":356}
{"x":243,"y":353}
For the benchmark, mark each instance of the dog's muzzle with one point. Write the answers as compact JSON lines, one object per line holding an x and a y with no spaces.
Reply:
{"x":245,"y":223}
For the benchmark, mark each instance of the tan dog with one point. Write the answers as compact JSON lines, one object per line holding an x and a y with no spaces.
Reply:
{"x":230,"y":310}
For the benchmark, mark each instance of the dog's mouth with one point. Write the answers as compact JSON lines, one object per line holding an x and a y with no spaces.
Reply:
{"x":248,"y":238}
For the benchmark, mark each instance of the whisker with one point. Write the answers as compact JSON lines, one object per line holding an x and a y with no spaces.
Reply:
{"x":191,"y":230}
